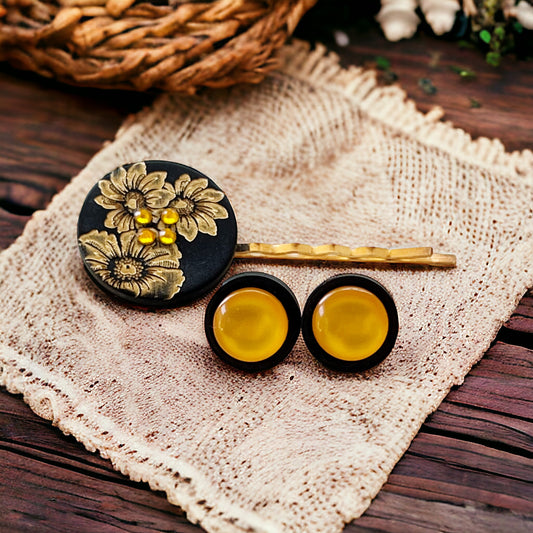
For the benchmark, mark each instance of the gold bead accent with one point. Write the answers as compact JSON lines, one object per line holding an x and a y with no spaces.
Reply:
{"x":167,"y":236}
{"x":169,"y":216}
{"x":143,"y":216}
{"x":147,"y":236}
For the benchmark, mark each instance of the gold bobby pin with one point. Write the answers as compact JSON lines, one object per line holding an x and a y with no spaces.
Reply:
{"x":337,"y":253}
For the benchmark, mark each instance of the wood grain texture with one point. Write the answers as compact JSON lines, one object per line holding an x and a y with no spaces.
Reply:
{"x":48,"y":136}
{"x":469,"y":468}
{"x":503,"y":93}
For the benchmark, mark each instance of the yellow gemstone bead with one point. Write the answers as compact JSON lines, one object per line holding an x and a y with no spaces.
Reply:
{"x":143,"y":216}
{"x":350,"y":323}
{"x":147,"y":236}
{"x":167,"y":236}
{"x":250,"y":324}
{"x":169,"y":216}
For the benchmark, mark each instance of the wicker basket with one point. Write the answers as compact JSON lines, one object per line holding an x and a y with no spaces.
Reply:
{"x":174,"y":45}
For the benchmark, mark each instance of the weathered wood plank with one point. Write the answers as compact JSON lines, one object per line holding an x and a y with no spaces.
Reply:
{"x":508,"y":396}
{"x":428,"y":472}
{"x":24,"y":432}
{"x":506,"y":359}
{"x":96,"y":504}
{"x":519,"y":328}
{"x":51,"y":497}
{"x":445,"y":472}
{"x":11,"y":227}
{"x":495,"y":429}
{"x":49,"y":132}
{"x":500,"y":383}
{"x":503,"y":93}
{"x":439,"y":454}
{"x":396,"y":513}
{"x":19,"y":425}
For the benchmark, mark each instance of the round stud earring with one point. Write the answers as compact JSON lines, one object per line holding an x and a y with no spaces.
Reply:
{"x":350,"y":323}
{"x":252,"y":321}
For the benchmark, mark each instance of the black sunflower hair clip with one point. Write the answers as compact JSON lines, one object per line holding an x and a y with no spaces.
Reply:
{"x":161,"y":234}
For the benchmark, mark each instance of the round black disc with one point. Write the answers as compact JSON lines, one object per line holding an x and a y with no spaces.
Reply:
{"x":271,"y":285}
{"x":156,"y":234}
{"x":350,"y":280}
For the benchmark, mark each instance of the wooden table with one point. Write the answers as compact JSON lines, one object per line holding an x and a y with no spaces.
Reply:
{"x":469,"y":467}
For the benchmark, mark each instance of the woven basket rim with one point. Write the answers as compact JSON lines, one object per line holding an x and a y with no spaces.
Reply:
{"x":121,"y":44}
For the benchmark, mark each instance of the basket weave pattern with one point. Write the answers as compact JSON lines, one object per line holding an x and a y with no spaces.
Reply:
{"x":174,"y":46}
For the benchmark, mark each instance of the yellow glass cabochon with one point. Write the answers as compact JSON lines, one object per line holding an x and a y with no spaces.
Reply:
{"x":250,"y":324}
{"x":350,"y":323}
{"x":252,"y":321}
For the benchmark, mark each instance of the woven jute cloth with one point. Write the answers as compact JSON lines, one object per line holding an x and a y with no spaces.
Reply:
{"x":316,"y":154}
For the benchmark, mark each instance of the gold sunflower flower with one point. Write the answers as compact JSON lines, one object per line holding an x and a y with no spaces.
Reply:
{"x":127,"y":265}
{"x":125,"y":192}
{"x":197,"y":206}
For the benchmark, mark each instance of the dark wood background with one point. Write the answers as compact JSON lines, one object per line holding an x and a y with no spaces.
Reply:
{"x":469,"y":469}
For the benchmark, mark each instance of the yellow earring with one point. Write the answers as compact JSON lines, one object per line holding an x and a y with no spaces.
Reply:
{"x":350,"y":323}
{"x":252,"y":322}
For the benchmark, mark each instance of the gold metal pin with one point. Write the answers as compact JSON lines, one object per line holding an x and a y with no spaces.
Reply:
{"x":337,"y":253}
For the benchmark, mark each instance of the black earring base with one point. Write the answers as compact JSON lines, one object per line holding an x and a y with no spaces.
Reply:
{"x":271,"y":285}
{"x":329,"y":360}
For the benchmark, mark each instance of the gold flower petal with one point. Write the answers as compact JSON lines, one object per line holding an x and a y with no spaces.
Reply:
{"x":108,"y":222}
{"x":105,"y":275}
{"x":163,"y":277}
{"x":117,"y":178}
{"x":159,"y":199}
{"x":119,"y":219}
{"x":166,"y":263}
{"x":213,"y":210}
{"x":170,"y":287}
{"x":156,"y":276}
{"x":130,"y":244}
{"x":181,"y":184}
{"x":135,"y":174}
{"x":152,"y":181}
{"x":167,"y":256}
{"x":110,"y":191}
{"x":168,"y":187}
{"x":166,"y":277}
{"x":184,"y":207}
{"x":128,"y":191}
{"x":197,"y":206}
{"x":205,"y":224}
{"x":107,"y":203}
{"x":99,"y":247}
{"x":194,"y":187}
{"x":209,"y":195}
{"x":131,"y":286}
{"x":187,"y":227}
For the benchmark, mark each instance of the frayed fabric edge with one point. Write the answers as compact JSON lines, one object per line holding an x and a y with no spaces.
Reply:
{"x":391,"y":106}
{"x":183,"y":485}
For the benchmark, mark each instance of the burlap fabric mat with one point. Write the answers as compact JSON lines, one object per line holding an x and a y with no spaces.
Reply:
{"x":316,"y":154}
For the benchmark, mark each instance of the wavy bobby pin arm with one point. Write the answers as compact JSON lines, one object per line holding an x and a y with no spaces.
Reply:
{"x":338,"y":253}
